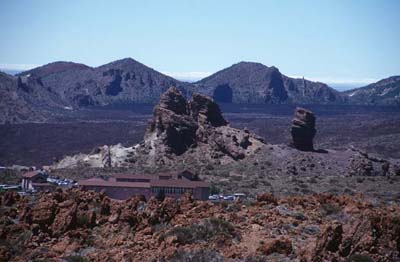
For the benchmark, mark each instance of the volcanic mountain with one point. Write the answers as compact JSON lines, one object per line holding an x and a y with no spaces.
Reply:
{"x":248,"y":82}
{"x":383,"y":92}
{"x":53,"y":90}
{"x":56,"y":88}
{"x":122,"y":81}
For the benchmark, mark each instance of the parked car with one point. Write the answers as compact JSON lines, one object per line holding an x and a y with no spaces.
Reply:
{"x":229,"y":198}
{"x":240,"y":196}
{"x":213,"y":197}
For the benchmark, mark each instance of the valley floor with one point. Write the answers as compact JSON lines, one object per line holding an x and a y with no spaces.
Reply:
{"x":374,"y":129}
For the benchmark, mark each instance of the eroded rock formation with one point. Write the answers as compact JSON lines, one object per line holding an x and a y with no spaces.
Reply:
{"x":179,"y":125}
{"x":303,"y":129}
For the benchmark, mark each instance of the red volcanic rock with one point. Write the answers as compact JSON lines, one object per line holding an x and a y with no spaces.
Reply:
{"x":268,"y":198}
{"x":44,"y":213}
{"x":65,"y":218}
{"x":330,"y":239}
{"x":303,"y":129}
{"x":10,"y":198}
{"x":281,"y":246}
{"x":172,"y":230}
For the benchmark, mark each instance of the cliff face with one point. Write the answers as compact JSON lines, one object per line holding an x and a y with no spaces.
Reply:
{"x":248,"y":82}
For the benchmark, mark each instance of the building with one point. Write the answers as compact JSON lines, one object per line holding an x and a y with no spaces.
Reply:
{"x":35,"y":181}
{"x":124,"y":186}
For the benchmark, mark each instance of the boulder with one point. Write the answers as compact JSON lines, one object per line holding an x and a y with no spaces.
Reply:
{"x":303,"y":129}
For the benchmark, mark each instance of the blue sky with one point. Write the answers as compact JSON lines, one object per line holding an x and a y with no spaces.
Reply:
{"x":337,"y":41}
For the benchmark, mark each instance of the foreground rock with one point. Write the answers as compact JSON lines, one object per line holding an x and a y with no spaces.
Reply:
{"x":76,"y":226}
{"x":303,"y":129}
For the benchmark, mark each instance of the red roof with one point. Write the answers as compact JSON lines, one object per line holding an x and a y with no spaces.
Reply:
{"x":30,"y":174}
{"x":135,"y":176}
{"x":154,"y":182}
{"x":105,"y":183}
{"x":179,"y":183}
{"x":43,"y":184}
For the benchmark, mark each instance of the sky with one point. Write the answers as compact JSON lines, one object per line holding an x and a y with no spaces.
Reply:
{"x":341,"y":42}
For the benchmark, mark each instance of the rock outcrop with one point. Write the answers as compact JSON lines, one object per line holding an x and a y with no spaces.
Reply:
{"x":172,"y":129}
{"x":179,"y":125}
{"x":303,"y":129}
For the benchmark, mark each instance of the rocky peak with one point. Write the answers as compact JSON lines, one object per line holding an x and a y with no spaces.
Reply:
{"x":173,"y":100}
{"x":303,"y":129}
{"x":205,"y":111}
{"x":172,"y":129}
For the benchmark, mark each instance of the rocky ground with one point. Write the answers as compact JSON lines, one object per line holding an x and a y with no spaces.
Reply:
{"x":87,"y":226}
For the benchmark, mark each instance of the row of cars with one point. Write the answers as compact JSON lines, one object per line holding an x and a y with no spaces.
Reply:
{"x":63,"y":182}
{"x":235,"y":196}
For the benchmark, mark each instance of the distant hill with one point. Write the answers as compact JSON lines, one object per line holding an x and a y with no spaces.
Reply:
{"x":383,"y":92}
{"x":122,"y":81}
{"x":248,"y":82}
{"x":52,"y":90}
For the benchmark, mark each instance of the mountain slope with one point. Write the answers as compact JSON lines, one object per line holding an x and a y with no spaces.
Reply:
{"x":52,"y":68}
{"x":383,"y":92}
{"x":248,"y":82}
{"x":122,"y":81}
{"x":14,"y":107}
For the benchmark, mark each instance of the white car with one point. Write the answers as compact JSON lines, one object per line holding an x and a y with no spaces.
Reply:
{"x":229,"y":198}
{"x":213,"y":197}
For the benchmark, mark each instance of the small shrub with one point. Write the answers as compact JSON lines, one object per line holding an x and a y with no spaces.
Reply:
{"x":359,"y":258}
{"x":330,"y":209}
